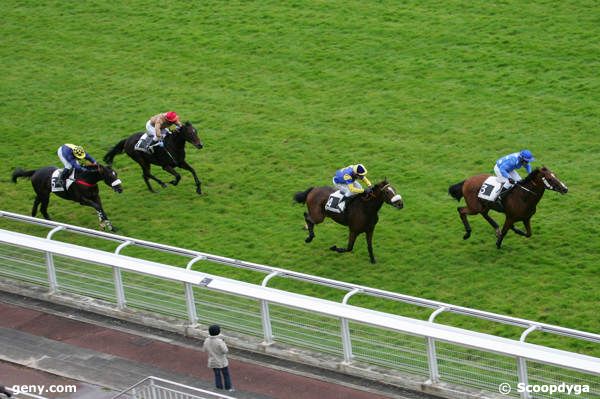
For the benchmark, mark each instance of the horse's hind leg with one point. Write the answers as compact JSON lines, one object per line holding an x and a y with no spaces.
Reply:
{"x":491,"y":221}
{"x":369,"y":235}
{"x":526,"y":233}
{"x":36,"y":203}
{"x":508,"y":224}
{"x":172,"y":171}
{"x":310,"y":226}
{"x":44,"y":207}
{"x":463,"y":212}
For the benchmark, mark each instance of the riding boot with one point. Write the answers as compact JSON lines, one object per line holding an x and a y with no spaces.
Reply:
{"x":62,"y":179}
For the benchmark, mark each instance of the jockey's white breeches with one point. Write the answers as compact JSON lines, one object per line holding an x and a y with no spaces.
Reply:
{"x":151,"y":131}
{"x":63,"y":160}
{"x":513,"y":175}
{"x":345,"y":190}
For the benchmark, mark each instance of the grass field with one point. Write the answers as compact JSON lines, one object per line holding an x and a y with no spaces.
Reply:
{"x":284,"y":93}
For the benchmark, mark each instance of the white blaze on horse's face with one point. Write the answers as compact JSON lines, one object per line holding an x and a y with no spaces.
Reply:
{"x":394,"y":197}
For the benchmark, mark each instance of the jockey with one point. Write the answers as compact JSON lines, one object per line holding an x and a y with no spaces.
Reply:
{"x":156,"y":129}
{"x":73,"y":157}
{"x":346,"y":180}
{"x":506,"y":166}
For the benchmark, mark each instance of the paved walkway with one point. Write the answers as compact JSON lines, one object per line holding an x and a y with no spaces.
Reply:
{"x":111,"y":354}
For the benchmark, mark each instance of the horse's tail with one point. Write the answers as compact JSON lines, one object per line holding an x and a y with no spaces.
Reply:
{"x":20,"y":172}
{"x":455,"y":190}
{"x":300,"y":196}
{"x":117,"y":149}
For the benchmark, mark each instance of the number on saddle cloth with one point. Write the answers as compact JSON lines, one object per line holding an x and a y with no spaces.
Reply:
{"x":57,"y":184}
{"x":335,"y":202}
{"x":490,"y":189}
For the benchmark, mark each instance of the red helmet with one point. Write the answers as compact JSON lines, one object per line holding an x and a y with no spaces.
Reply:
{"x":171,"y":116}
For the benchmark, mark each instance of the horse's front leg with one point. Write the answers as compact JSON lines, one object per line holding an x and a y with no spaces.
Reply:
{"x":527,"y":232}
{"x":187,"y":166}
{"x":369,"y":235}
{"x":105,"y":223}
{"x":351,"y":238}
{"x":172,"y":171}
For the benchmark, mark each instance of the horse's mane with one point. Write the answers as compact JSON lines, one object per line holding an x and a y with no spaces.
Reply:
{"x":530,"y":176}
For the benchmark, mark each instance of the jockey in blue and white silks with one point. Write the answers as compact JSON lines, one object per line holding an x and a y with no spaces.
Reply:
{"x":72,"y":156}
{"x":346,"y":180}
{"x":506,"y":167}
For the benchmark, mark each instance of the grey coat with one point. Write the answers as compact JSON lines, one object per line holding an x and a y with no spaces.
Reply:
{"x":217,"y":351}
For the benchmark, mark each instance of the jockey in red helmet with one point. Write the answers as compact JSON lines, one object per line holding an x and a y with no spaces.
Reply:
{"x":156,"y":128}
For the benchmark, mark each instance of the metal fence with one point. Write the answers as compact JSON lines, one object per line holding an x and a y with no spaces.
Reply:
{"x":158,"y":388}
{"x":424,"y":349}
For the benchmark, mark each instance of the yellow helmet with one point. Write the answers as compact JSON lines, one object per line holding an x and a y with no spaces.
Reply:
{"x":79,"y":152}
{"x":359,"y":169}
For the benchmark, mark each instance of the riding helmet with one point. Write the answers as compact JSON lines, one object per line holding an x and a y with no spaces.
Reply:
{"x":171,"y":116}
{"x":359,"y":169}
{"x":527,"y":156}
{"x":79,"y":152}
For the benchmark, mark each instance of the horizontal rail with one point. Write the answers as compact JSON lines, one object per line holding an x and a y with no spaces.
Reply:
{"x":419,"y":328}
{"x":523,"y":323}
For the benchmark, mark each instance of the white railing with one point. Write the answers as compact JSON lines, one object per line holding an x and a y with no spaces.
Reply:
{"x":427,"y":349}
{"x":158,"y":388}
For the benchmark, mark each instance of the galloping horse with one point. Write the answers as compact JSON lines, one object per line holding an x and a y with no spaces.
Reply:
{"x":170,"y":157}
{"x":519,"y":204}
{"x":360,"y":216}
{"x":83,"y":190}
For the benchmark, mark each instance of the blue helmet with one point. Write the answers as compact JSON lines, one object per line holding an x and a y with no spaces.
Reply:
{"x":526,"y":155}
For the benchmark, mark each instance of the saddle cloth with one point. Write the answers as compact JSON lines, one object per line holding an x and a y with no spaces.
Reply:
{"x":490,"y":189}
{"x":56,"y":177}
{"x":335,"y":203}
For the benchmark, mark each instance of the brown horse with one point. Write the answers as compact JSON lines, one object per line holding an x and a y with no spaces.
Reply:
{"x":360,"y":215}
{"x":519,"y":203}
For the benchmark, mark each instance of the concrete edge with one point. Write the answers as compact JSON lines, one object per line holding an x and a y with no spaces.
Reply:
{"x":249,"y":344}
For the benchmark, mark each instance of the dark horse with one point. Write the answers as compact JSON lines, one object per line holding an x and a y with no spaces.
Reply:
{"x":360,"y":215}
{"x":170,"y":157}
{"x":519,"y":204}
{"x":84,"y":190}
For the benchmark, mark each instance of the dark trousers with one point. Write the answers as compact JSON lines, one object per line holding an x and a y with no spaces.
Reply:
{"x":218,"y":381}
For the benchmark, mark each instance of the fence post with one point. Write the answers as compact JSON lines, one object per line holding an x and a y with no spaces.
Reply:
{"x":522,"y":364}
{"x":346,"y":339}
{"x":52,"y":282}
{"x":434,"y":373}
{"x":265,"y":314}
{"x":189,"y":294}
{"x":118,"y":279}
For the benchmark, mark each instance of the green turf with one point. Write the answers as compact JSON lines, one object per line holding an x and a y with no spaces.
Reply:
{"x":283,"y":93}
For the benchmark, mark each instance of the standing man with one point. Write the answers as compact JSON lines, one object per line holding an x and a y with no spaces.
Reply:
{"x":217,"y":357}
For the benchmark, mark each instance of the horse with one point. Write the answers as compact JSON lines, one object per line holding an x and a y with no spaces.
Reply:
{"x":518,"y":204}
{"x":83,"y":190}
{"x":361,"y":213}
{"x":171,"y":156}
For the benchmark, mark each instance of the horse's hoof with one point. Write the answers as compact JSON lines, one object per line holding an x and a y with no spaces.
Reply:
{"x":373,"y":261}
{"x":163,"y":185}
{"x":467,"y":235}
{"x":173,"y":182}
{"x":309,"y":239}
{"x":198,"y":191}
{"x":498,"y":244}
{"x":333,"y":248}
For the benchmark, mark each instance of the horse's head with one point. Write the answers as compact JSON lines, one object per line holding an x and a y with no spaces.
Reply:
{"x":389,"y":194}
{"x":551,"y":182}
{"x":190,"y":134}
{"x":110,"y":178}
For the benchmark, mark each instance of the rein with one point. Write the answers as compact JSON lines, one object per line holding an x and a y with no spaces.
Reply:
{"x":84,"y":183}
{"x":526,"y":189}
